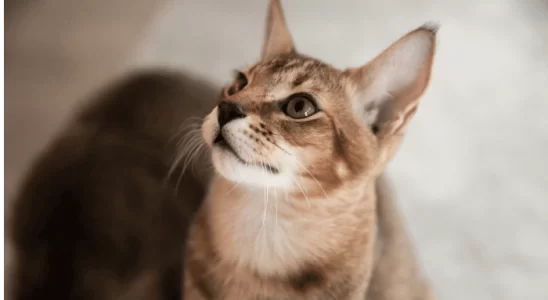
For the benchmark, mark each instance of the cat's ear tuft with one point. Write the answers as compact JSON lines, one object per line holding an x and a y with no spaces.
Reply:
{"x":277,"y":39}
{"x":432,"y":27}
{"x":386,"y":91}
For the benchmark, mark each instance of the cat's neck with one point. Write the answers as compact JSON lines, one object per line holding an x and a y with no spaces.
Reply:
{"x":275,"y":231}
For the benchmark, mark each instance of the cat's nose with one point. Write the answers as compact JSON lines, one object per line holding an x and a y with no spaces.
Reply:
{"x":228,"y":111}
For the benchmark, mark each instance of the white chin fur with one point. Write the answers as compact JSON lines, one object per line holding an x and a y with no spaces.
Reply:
{"x":228,"y":166}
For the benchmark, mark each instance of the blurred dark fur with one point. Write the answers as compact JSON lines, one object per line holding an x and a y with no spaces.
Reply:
{"x":96,"y":216}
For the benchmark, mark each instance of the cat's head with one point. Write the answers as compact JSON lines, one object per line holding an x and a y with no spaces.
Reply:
{"x":290,"y":117}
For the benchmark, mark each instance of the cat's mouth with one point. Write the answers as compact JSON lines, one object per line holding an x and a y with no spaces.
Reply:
{"x":223,"y":144}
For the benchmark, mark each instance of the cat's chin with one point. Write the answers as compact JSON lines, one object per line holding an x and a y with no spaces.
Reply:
{"x":233,"y":168}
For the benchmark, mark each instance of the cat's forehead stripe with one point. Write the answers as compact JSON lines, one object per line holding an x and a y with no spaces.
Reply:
{"x":296,"y":70}
{"x":286,"y":64}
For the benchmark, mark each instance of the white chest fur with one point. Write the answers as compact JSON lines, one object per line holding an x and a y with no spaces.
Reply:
{"x":273,"y":233}
{"x":263,"y":229}
{"x":255,"y":231}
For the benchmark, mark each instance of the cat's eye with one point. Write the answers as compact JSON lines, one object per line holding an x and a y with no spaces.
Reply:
{"x":300,"y":106}
{"x":239,"y":84}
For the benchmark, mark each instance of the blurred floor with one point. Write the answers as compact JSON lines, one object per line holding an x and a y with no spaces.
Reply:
{"x":470,"y":174}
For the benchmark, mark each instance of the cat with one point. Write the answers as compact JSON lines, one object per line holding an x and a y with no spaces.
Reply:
{"x":297,"y":207}
{"x":97,"y":216}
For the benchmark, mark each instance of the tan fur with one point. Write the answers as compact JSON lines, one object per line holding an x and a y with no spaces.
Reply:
{"x":277,"y":39}
{"x":397,"y":274}
{"x":292,"y":211}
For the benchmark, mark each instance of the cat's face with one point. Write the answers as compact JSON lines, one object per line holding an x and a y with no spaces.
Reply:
{"x":290,"y":117}
{"x":286,"y":118}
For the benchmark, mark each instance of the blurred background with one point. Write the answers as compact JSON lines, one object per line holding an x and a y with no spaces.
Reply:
{"x":470,"y":175}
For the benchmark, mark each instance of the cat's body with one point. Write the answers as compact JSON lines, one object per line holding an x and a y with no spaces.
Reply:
{"x":237,"y":256}
{"x":396,"y":272}
{"x":298,"y":148}
{"x":97,"y":216}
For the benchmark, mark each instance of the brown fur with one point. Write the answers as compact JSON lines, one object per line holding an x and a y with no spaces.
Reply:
{"x":320,"y":240}
{"x":97,"y":216}
{"x":397,"y":274}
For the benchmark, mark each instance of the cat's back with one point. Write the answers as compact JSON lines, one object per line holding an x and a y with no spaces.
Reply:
{"x":397,"y":273}
{"x":97,"y":213}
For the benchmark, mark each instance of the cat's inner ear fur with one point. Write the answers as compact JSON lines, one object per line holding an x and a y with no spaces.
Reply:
{"x":277,"y":39}
{"x":386,"y":91}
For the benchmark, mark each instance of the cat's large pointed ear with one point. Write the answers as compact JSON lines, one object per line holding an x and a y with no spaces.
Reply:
{"x":277,"y":38}
{"x":386,"y":91}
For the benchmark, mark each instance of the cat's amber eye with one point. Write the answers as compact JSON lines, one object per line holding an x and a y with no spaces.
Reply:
{"x":300,"y":106}
{"x":239,"y":84}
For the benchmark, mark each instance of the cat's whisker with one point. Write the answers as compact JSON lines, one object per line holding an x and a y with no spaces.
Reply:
{"x":305,"y":194}
{"x":301,"y":180}
{"x":302,"y":191}
{"x":233,"y":188}
{"x":180,"y":155}
{"x":199,"y":152}
{"x":295,"y":181}
{"x":188,"y":160}
{"x":191,"y":147}
{"x":279,"y":147}
{"x":313,"y":177}
{"x":209,"y":165}
{"x":188,"y":142}
{"x":193,"y":151}
{"x":276,"y":205}
{"x":276,"y":228}
{"x":265,"y":204}
{"x":292,"y":177}
{"x":260,"y":232}
{"x":267,"y":192}
{"x":190,"y":124}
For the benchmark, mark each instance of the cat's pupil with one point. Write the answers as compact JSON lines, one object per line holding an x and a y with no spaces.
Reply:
{"x":299,"y":106}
